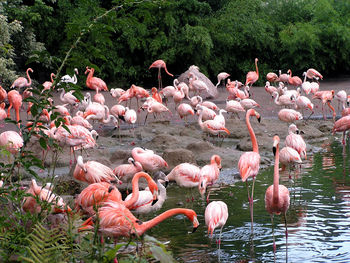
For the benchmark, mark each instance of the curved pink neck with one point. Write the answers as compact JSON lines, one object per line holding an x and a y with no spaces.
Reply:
{"x":276,"y":176}
{"x":252,"y":134}
{"x":135,"y":188}
{"x":52,"y":76}
{"x":256,"y":67}
{"x":29,"y":79}
{"x":140,"y":229}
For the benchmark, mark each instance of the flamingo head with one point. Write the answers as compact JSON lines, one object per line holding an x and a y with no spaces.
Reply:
{"x":202,"y":186}
{"x":80,"y":162}
{"x":276,"y":141}
{"x":30,"y":69}
{"x":154,"y":190}
{"x":216,"y":159}
{"x":76,"y":71}
{"x":87,"y":70}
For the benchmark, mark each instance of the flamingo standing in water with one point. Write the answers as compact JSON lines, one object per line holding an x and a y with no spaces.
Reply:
{"x":15,"y":100}
{"x":160,"y":64}
{"x":249,"y":162}
{"x":185,"y":175}
{"x":277,"y":197}
{"x":216,"y":214}
{"x":116,"y":220}
{"x":22,"y":82}
{"x":93,"y":172}
{"x":252,"y":76}
{"x":295,"y":141}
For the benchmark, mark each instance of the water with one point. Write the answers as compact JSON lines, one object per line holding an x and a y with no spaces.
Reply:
{"x":318,"y":217}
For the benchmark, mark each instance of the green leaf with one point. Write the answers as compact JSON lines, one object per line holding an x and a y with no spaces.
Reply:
{"x":42,"y":142}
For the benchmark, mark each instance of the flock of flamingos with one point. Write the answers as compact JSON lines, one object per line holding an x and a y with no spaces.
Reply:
{"x":102,"y":195}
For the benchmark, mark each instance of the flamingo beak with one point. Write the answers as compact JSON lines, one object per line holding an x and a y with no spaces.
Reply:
{"x":274,"y":150}
{"x":301,"y":132}
{"x":195,"y":224}
{"x":259,"y":119}
{"x":154,"y":201}
{"x":166,"y":183}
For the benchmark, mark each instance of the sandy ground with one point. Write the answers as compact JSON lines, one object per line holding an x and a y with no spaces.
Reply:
{"x":176,"y":143}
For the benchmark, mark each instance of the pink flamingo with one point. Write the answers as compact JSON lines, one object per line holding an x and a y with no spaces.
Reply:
{"x":78,"y":119}
{"x":156,"y":95}
{"x":30,"y":204}
{"x":116,"y":220}
{"x":289,"y":157}
{"x":185,"y":175}
{"x":3,"y":94}
{"x":3,"y":114}
{"x":156,"y":107}
{"x":22,"y":82}
{"x":342,"y":125}
{"x":116,"y":93}
{"x":326,"y":96}
{"x":221,"y":76}
{"x":302,"y":103}
{"x":196,"y":84}
{"x":283,"y":77}
{"x":313,"y":73}
{"x":68,"y":98}
{"x":99,"y":98}
{"x":252,"y":76}
{"x":160,"y":64}
{"x":15,"y":100}
{"x":272,"y":77}
{"x":234,"y":106}
{"x":11,"y":140}
{"x":209,"y":174}
{"x":216,"y":214}
{"x":295,"y":141}
{"x":93,"y":172}
{"x":342,"y":97}
{"x":167,"y":92}
{"x":283,"y":100}
{"x":126,"y":96}
{"x":149,"y":160}
{"x":94,"y":195}
{"x":139,"y":93}
{"x":207,"y":114}
{"x":125,"y":172}
{"x":270,"y":89}
{"x":289,"y":115}
{"x":306,"y":85}
{"x":249,"y":162}
{"x":294,"y":80}
{"x":185,"y":110}
{"x":94,"y":83}
{"x":277,"y":197}
{"x":48,"y":84}
{"x":248,"y":103}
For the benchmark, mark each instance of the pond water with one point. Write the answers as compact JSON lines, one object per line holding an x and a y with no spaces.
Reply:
{"x":318,"y":217}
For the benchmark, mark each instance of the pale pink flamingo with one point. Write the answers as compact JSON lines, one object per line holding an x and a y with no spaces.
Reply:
{"x":62,"y":110}
{"x":221,"y":118}
{"x":209,"y":104}
{"x":315,"y":86}
{"x":221,"y":76}
{"x":342,"y":125}
{"x":289,"y":115}
{"x":160,"y":64}
{"x":283,"y":77}
{"x":69,"y":79}
{"x":178,"y":96}
{"x":249,"y":162}
{"x":295,"y":141}
{"x":125,"y":172}
{"x":272,"y":77}
{"x":156,"y":95}
{"x":145,"y":203}
{"x":99,"y":98}
{"x":126,"y":96}
{"x":306,"y":85}
{"x":11,"y":140}
{"x":294,"y":80}
{"x":326,"y":96}
{"x":68,"y":98}
{"x":93,"y":172}
{"x":207,"y":114}
{"x":94,"y":83}
{"x":196,"y":84}
{"x":78,"y":119}
{"x":130,"y":117}
{"x":117,"y":92}
{"x":185,"y":110}
{"x":3,"y":94}
{"x":150,"y":161}
{"x":48,"y":84}
{"x":242,"y":94}
{"x":30,"y":204}
{"x":182,"y":85}
{"x":270,"y":89}
{"x":94,"y":195}
{"x":342,"y":97}
{"x":209,"y":174}
{"x":252,"y":76}
{"x":234,"y":106}
{"x":116,"y":220}
{"x":167,"y":92}
{"x":212,"y":127}
{"x":288,"y":158}
{"x":22,"y":82}
{"x":15,"y":100}
{"x":118,"y":111}
{"x":216,"y":214}
{"x":302,"y":103}
{"x":96,"y":112}
{"x":195,"y":100}
{"x":283,"y":100}
{"x":313,"y":73}
{"x":345,"y":112}
{"x":248,"y":103}
{"x":185,"y":175}
{"x":277,"y":197}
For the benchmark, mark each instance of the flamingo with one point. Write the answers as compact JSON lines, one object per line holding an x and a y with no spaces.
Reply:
{"x":313,"y":73}
{"x":209,"y":174}
{"x":139,"y":93}
{"x":117,"y":92}
{"x":178,"y":95}
{"x":325,"y":96}
{"x":270,"y":89}
{"x":234,"y":107}
{"x":197,"y":84}
{"x":3,"y":114}
{"x":342,"y":97}
{"x":93,"y":172}
{"x":289,"y":115}
{"x":248,"y":103}
{"x":15,"y":100}
{"x":185,"y":110}
{"x":68,"y":98}
{"x":289,"y":157}
{"x":22,"y":82}
{"x":277,"y":197}
{"x":207,"y":114}
{"x":182,"y":85}
{"x":295,"y":141}
{"x":118,"y":111}
{"x":149,"y":160}
{"x":48,"y":84}
{"x":94,"y":195}
{"x":185,"y":175}
{"x":69,"y":79}
{"x":99,"y":98}
{"x":12,"y":141}
{"x":116,"y":220}
{"x":272,"y":77}
{"x":126,"y":96}
{"x":249,"y":162}
{"x":156,"y":107}
{"x":302,"y":103}
{"x":130,"y":116}
{"x":306,"y":85}
{"x":195,"y":100}
{"x":168,"y":92}
{"x":160,"y":64}
{"x":342,"y":125}
{"x":144,"y":204}
{"x":283,"y":77}
{"x":315,"y":86}
{"x":216,"y":214}
{"x":125,"y":172}
{"x":221,"y":76}
{"x":94,"y":83}
{"x":3,"y":94}
{"x":283,"y":100}
{"x":252,"y":76}
{"x":78,"y":119}
{"x":156,"y":95}
{"x":208,"y":104}
{"x":30,"y":204}
{"x":294,"y":80}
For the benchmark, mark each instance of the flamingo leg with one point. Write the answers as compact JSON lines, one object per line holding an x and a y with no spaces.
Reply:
{"x":273,"y":238}
{"x":285,"y":223}
{"x":251,"y":203}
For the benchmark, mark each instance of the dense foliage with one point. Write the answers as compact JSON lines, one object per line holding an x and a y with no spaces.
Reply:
{"x":215,"y":35}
